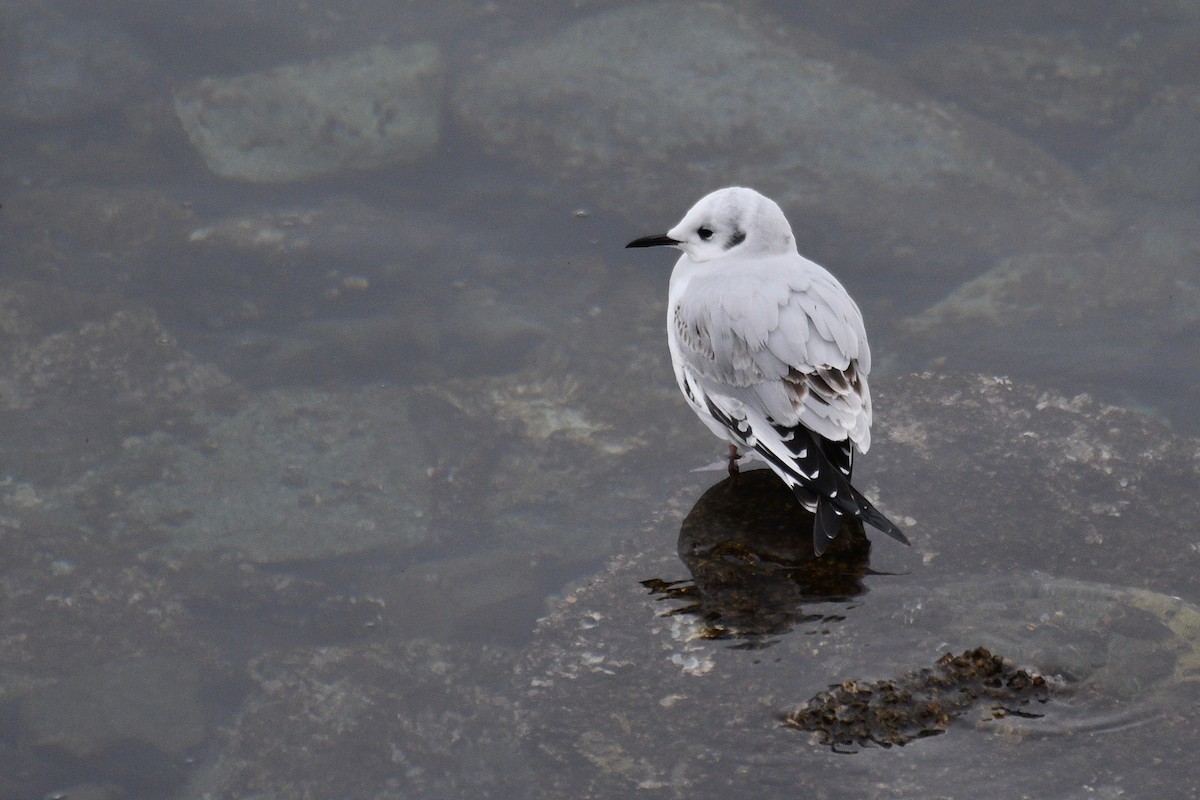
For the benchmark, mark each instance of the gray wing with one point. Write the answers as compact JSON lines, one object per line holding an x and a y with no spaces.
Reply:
{"x":784,"y":340}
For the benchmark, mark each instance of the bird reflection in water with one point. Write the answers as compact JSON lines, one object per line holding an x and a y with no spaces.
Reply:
{"x":746,"y":543}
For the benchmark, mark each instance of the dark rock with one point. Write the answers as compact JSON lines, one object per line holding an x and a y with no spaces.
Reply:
{"x":747,"y":546}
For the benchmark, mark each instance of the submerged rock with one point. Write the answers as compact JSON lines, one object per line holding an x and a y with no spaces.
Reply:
{"x":383,"y":720}
{"x":1001,"y":475}
{"x":151,"y":702}
{"x":1057,"y":89}
{"x":624,"y":694}
{"x":1128,"y":307}
{"x":624,"y":690}
{"x":75,"y":394}
{"x":1155,"y":156}
{"x":294,"y":475}
{"x":371,"y":292}
{"x":98,"y":239}
{"x":622,"y":107}
{"x":369,"y":109}
{"x":61,"y":70}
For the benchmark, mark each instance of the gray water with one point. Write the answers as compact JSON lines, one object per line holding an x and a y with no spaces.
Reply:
{"x":326,"y":377}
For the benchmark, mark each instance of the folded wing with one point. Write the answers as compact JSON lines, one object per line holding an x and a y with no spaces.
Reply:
{"x":787,"y":343}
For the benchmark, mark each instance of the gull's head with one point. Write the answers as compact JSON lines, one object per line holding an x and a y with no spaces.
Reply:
{"x":727,"y":222}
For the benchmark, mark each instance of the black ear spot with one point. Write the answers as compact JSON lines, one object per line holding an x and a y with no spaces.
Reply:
{"x":737,"y":238}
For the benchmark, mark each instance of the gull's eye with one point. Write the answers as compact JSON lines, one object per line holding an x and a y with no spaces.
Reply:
{"x":705,"y":233}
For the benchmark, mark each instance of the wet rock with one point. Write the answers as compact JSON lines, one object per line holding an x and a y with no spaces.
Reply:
{"x":60,"y":70}
{"x":369,"y":109}
{"x":989,"y":477}
{"x":541,"y":409}
{"x":240,"y":36}
{"x":153,"y":702}
{"x":489,"y":595}
{"x":103,"y":675}
{"x":70,"y":592}
{"x":621,"y":108}
{"x":90,"y":791}
{"x":622,"y":691}
{"x":1155,"y":156}
{"x":1101,"y":489}
{"x":1022,"y":299}
{"x":922,"y":703}
{"x":135,"y":145}
{"x":624,"y":694}
{"x":338,"y":259}
{"x":752,"y":511}
{"x":293,"y":475}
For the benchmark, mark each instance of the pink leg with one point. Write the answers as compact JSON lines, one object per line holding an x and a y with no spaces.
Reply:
{"x":733,"y":459}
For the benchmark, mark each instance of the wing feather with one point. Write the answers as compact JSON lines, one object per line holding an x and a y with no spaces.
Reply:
{"x":785,"y":340}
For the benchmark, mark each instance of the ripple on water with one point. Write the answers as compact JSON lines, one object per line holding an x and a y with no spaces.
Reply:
{"x":1120,"y":654}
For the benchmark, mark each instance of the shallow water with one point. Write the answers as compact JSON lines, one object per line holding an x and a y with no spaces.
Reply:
{"x":295,"y":459}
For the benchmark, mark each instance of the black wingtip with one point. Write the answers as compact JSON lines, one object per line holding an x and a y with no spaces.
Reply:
{"x":827,"y":523}
{"x":873,"y":517}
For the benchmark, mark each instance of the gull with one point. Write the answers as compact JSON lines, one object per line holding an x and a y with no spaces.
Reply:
{"x":771,"y":353}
